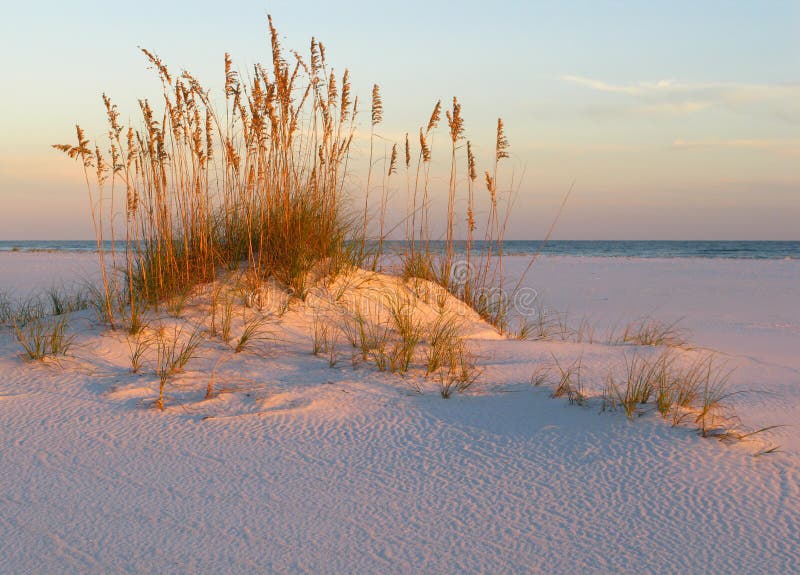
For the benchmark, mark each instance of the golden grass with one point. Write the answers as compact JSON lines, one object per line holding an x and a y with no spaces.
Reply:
{"x":260,"y":184}
{"x":255,"y":183}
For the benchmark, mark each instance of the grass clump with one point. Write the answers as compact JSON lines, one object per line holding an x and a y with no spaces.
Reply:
{"x":203,"y":190}
{"x":458,"y":372}
{"x":257,"y":183}
{"x":650,"y":332}
{"x":139,"y":344}
{"x":569,"y":382}
{"x":713,"y":413}
{"x":320,"y":332}
{"x":43,"y":337}
{"x":254,"y":329}
{"x":642,"y":378}
{"x":52,"y":302}
{"x":409,"y":330}
{"x":680,"y":391}
{"x":62,"y":302}
{"x":444,"y":339}
{"x":173,"y":352}
{"x":678,"y":388}
{"x":6,"y":308}
{"x":545,"y":324}
{"x":448,"y":358}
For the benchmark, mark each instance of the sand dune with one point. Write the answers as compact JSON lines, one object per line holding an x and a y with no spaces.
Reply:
{"x":303,"y":468}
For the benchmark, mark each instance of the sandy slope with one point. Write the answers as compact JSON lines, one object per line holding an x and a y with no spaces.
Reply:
{"x":307,"y":468}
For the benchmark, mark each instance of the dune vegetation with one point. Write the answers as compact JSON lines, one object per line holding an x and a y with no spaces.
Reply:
{"x":260,"y":186}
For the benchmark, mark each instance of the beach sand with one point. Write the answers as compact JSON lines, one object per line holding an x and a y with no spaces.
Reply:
{"x":303,"y":468}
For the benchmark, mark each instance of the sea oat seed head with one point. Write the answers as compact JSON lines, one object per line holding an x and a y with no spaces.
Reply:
{"x":393,"y":161}
{"x":501,"y":148}
{"x":377,"y":105}
{"x":426,"y":151}
{"x":345,"y":104}
{"x":455,"y":122}
{"x":471,"y":162}
{"x":435,"y":116}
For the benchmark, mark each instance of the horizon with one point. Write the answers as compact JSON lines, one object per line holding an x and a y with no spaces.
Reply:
{"x":664,"y":116}
{"x":461,"y":241}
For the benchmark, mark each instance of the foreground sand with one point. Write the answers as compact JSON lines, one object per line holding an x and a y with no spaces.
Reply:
{"x":313,"y":469}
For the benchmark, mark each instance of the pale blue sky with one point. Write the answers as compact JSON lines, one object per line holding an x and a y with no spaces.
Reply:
{"x":677,"y":120}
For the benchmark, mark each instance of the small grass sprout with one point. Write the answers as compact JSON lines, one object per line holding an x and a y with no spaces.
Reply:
{"x":651,"y":332}
{"x":138,"y":345}
{"x":254,"y":330}
{"x":569,"y":382}
{"x":174,"y":351}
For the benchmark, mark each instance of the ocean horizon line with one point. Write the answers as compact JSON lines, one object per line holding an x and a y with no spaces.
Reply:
{"x":711,"y":249}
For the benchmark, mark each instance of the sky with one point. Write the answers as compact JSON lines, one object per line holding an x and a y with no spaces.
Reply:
{"x":670,"y":120}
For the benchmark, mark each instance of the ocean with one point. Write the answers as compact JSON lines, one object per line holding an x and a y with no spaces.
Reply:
{"x":759,"y":250}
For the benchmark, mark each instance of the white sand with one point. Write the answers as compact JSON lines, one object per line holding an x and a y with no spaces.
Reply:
{"x":23,"y":274}
{"x":311,"y":469}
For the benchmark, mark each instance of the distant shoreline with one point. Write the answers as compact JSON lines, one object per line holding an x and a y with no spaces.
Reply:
{"x":715,"y":249}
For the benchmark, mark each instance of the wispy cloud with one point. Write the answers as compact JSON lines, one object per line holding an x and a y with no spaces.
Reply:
{"x":783,"y":146}
{"x":672,"y":97}
{"x":581,"y":148}
{"x":635,"y":89}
